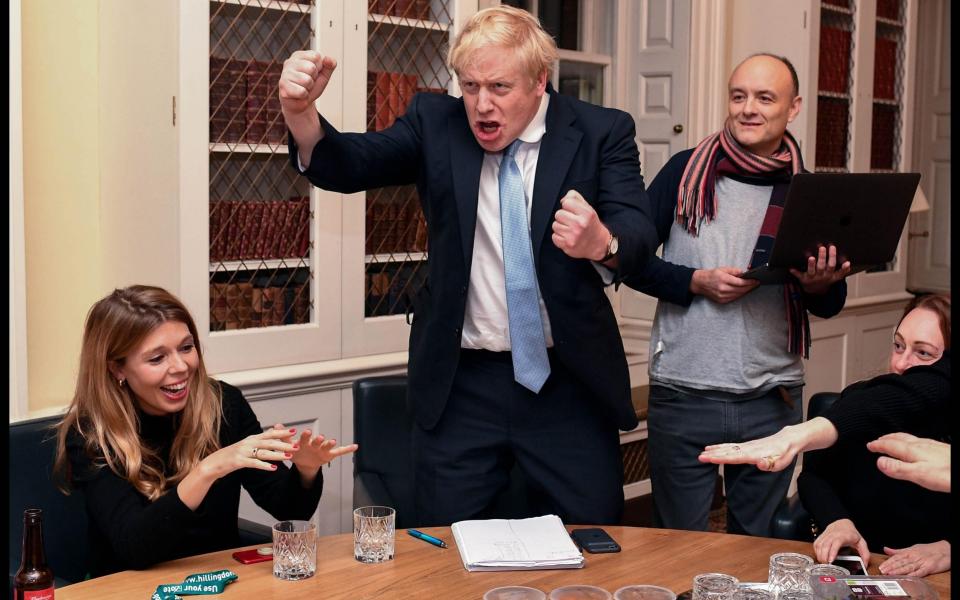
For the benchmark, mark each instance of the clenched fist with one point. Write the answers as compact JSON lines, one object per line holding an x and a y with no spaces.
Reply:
{"x":305,"y":75}
{"x":577,"y":229}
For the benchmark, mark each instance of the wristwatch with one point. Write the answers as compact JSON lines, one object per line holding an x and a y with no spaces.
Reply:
{"x":612,"y":246}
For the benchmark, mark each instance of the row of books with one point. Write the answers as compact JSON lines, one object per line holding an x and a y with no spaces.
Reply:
{"x":411,"y":9}
{"x":388,"y":95}
{"x":885,"y":69}
{"x":394,"y":221}
{"x":245,"y":305}
{"x":241,"y":230}
{"x":832,"y":124}
{"x":244,"y":106}
{"x":883,"y":138}
{"x":834,"y":60}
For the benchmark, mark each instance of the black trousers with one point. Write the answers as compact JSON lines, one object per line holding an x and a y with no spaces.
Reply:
{"x":566,"y":445}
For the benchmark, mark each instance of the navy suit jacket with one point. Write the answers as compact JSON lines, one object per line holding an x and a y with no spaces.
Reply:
{"x":588,"y":148}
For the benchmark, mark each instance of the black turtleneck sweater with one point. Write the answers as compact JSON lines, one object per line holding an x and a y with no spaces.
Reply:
{"x":843,"y":481}
{"x":127,"y":531}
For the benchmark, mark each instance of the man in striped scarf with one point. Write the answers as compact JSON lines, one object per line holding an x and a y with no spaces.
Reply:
{"x":726,"y":353}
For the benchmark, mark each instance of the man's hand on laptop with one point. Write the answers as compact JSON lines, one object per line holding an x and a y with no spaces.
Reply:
{"x":722,"y":284}
{"x":822,"y":271}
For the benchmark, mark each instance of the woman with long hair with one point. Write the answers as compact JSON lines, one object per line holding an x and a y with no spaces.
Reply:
{"x":852,"y":501}
{"x":160,"y":450}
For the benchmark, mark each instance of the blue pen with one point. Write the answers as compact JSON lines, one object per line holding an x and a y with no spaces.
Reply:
{"x":427,"y":538}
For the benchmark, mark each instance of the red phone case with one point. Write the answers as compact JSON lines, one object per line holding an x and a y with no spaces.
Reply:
{"x":248,"y":557}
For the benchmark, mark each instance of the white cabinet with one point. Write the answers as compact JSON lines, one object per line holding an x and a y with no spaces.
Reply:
{"x":200,"y":198}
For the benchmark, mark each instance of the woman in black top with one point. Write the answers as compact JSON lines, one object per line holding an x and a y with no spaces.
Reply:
{"x":160,"y":451}
{"x":853,"y":503}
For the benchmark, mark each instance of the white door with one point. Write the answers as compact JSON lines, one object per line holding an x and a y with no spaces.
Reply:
{"x":655,"y":69}
{"x":929,"y":254}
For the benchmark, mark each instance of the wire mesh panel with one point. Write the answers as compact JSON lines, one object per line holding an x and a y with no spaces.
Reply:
{"x":407,"y":46}
{"x":887,"y":86}
{"x":834,"y":85}
{"x":259,"y":217}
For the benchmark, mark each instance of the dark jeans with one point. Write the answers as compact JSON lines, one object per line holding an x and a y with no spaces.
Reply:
{"x":567,"y":448}
{"x":681,"y":424}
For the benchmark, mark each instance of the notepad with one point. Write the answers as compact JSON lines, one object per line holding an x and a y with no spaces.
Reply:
{"x":516,"y":544}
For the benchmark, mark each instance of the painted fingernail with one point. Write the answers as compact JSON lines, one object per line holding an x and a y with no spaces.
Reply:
{"x":287,"y":455}
{"x":273,"y":467}
{"x":296,"y":446}
{"x":293,"y":430}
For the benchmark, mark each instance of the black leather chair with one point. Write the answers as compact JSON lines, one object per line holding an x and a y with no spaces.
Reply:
{"x":32,"y":452}
{"x":791,"y":521}
{"x":33,"y":447}
{"x":383,"y":466}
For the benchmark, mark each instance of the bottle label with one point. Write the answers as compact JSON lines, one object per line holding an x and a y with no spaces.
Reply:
{"x":46,"y":594}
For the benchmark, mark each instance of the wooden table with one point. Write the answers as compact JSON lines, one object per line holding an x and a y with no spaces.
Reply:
{"x":664,"y":557}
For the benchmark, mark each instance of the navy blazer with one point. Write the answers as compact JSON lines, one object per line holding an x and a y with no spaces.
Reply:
{"x":588,"y":148}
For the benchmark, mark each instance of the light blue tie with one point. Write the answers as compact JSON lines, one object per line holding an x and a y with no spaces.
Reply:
{"x":527,"y":343}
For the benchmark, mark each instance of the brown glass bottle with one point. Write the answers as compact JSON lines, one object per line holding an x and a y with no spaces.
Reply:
{"x":34,"y":579}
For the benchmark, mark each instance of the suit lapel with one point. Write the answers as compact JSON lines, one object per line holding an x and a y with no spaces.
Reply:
{"x":466,"y":159}
{"x":557,"y":149}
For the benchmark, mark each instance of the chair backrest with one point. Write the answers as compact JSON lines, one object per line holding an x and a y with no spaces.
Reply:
{"x":32,"y":451}
{"x":791,"y":521}
{"x":382,"y":426}
{"x":383,"y":466}
{"x":820,"y":402}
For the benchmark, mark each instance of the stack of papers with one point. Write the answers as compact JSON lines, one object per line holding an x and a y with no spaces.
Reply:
{"x":516,"y":544}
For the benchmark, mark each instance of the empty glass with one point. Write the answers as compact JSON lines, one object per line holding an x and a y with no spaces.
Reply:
{"x":294,"y":550}
{"x":821,"y":578}
{"x":788,"y":571}
{"x":580,"y":592}
{"x":644,"y":592}
{"x":514,"y":592}
{"x":373,"y":533}
{"x":753,"y":593}
{"x":796,"y":595}
{"x":714,"y":586}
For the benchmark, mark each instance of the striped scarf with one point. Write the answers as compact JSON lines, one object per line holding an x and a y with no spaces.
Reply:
{"x":721,"y":154}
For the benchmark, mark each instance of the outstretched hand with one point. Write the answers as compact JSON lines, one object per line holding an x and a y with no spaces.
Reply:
{"x":923,"y":461}
{"x":918,"y":560}
{"x":772,"y":453}
{"x":258,"y":451}
{"x":312,"y":452}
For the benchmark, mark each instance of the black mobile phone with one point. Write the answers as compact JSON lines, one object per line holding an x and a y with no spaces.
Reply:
{"x":594,"y":540}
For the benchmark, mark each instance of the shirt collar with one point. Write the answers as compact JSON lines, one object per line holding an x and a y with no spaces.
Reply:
{"x":538,"y":126}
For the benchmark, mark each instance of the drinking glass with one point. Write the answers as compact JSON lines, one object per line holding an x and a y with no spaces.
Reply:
{"x":373,"y":533}
{"x":644,"y":592}
{"x":714,"y":586}
{"x":830,"y":574}
{"x":788,"y":571}
{"x":753,"y":593}
{"x":514,"y":592}
{"x":796,"y":595}
{"x":294,"y":550}
{"x":580,"y":592}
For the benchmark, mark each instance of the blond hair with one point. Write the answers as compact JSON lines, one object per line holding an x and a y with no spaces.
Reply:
{"x":505,"y":27}
{"x":104,"y":413}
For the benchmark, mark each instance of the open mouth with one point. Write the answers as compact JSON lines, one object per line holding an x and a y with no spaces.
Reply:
{"x":175,"y":391}
{"x":487,"y":130}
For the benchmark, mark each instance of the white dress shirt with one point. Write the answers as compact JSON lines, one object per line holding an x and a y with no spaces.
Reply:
{"x":485,"y":324}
